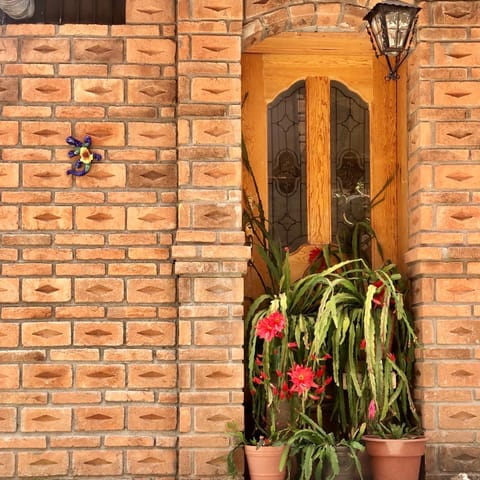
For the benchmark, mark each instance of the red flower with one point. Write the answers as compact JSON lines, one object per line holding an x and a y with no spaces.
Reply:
{"x":380,"y":293}
{"x":363,"y":344}
{"x":257,"y":380}
{"x":371,"y":410}
{"x":315,"y":253}
{"x":292,"y":345}
{"x":301,"y":378}
{"x":391,"y":356}
{"x":327,"y":356}
{"x":271,"y":326}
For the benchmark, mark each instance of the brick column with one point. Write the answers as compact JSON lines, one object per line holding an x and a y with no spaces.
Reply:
{"x":444,"y":207}
{"x":209,"y":251}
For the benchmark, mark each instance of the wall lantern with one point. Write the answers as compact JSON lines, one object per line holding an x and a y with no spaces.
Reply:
{"x":391,"y":26}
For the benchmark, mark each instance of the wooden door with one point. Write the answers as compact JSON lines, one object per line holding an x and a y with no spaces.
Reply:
{"x":276,"y":64}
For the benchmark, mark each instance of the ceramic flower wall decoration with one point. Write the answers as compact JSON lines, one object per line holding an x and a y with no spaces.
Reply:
{"x":81,"y":166}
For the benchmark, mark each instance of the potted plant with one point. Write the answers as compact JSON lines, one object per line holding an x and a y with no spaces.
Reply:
{"x":365,"y":324}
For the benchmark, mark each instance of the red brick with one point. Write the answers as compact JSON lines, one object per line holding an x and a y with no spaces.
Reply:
{"x":150,"y":333}
{"x":46,"y":218}
{"x":215,"y":47}
{"x":44,"y":133}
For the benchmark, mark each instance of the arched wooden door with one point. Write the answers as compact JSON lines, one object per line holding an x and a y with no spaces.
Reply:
{"x":320,"y":60}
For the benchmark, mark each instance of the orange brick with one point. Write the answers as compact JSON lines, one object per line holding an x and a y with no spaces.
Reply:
{"x":151,"y":218}
{"x":10,"y":290}
{"x":150,"y":333}
{"x":46,"y":90}
{"x":44,"y":133}
{"x":94,"y":333}
{"x":9,"y":335}
{"x":100,"y":218}
{"x":100,"y":376}
{"x":7,"y":464}
{"x":104,"y":134}
{"x":97,"y":463}
{"x":98,"y":50}
{"x":149,"y":11}
{"x":8,"y":419}
{"x":151,"y":418}
{"x":158,"y":461}
{"x":98,"y":290}
{"x":47,"y":376}
{"x":98,"y":90}
{"x":46,"y":218}
{"x":152,"y":376}
{"x":46,"y":334}
{"x":8,"y":175}
{"x":151,"y":134}
{"x":215,"y":47}
{"x":46,"y":419}
{"x":38,"y":176}
{"x":8,"y":133}
{"x":152,"y":51}
{"x":10,"y":377}
{"x":156,"y":290}
{"x":99,"y":418}
{"x":43,"y":464}
{"x":49,"y":50}
{"x":46,"y":289}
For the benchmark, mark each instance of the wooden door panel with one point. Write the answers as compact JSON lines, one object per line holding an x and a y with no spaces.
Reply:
{"x":279,"y":62}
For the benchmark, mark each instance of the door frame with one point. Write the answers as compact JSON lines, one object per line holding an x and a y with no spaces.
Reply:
{"x":349,"y":59}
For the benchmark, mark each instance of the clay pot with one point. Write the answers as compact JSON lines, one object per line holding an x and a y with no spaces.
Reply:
{"x":395,"y":459}
{"x":264,"y":462}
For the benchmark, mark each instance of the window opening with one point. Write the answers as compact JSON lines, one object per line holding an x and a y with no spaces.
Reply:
{"x":106,"y":12}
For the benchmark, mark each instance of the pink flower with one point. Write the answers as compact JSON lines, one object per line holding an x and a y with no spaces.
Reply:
{"x":271,"y":326}
{"x":301,"y":378}
{"x":292,"y":345}
{"x":371,"y":410}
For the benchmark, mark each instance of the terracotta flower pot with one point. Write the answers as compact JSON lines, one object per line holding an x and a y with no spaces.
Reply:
{"x":264,"y":462}
{"x":395,"y":459}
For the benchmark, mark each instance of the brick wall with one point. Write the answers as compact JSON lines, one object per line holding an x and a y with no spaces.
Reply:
{"x":121,"y":291}
{"x":443,"y":206}
{"x":444,"y":230}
